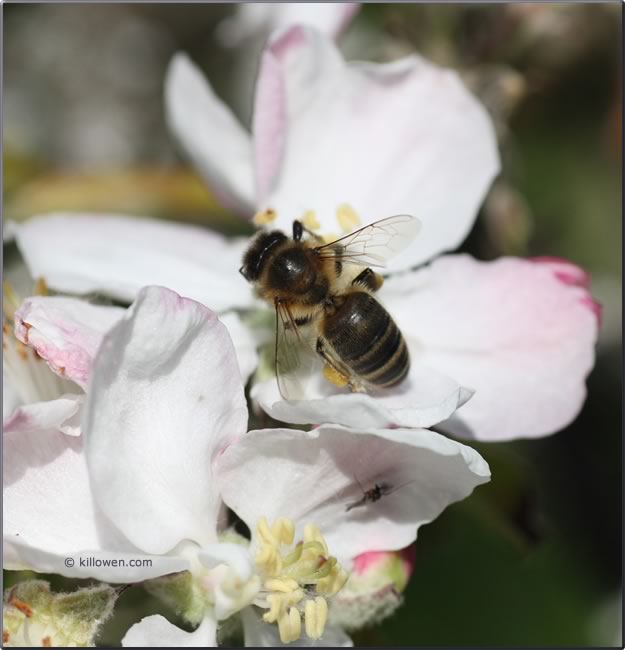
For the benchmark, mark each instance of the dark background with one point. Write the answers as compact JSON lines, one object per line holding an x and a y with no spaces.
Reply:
{"x":534,"y":558}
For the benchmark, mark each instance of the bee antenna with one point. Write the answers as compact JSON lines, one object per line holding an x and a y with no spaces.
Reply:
{"x":359,"y":484}
{"x":399,"y":487}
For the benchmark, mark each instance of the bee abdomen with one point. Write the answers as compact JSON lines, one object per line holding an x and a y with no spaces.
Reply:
{"x":368,"y":341}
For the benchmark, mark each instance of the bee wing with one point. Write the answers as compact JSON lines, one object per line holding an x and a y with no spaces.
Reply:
{"x":374,"y":244}
{"x":294,"y":355}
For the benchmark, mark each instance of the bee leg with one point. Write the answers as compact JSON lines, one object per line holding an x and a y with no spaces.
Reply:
{"x":336,"y":372}
{"x":332,"y":372}
{"x":356,"y":387}
{"x":368,"y":279}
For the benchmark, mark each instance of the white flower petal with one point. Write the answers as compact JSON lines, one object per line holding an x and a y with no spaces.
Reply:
{"x":117,"y":255}
{"x":10,"y":397}
{"x":236,"y":556}
{"x":425,"y":398}
{"x":157,"y":632}
{"x":217,"y":144}
{"x":518,"y":332}
{"x":245,"y":344}
{"x":66,"y":332}
{"x":259,"y":19}
{"x":62,"y":414}
{"x":314,"y":476}
{"x":165,"y":399}
{"x":384,"y":139}
{"x":50,"y":515}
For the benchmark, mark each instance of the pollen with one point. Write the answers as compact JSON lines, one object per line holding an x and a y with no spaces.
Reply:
{"x":41,"y":288}
{"x":297,"y":578}
{"x":335,"y":377}
{"x":21,"y":606}
{"x":265,"y":217}
{"x":309,"y":219}
{"x":347,"y":217}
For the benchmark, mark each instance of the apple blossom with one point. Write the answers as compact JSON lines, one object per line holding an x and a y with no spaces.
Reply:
{"x":340,"y":145}
{"x":44,"y":381}
{"x":260,"y":19}
{"x":164,"y":447}
{"x":48,"y":359}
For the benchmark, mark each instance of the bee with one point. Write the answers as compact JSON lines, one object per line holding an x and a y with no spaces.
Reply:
{"x":323,"y":296}
{"x":374,"y":494}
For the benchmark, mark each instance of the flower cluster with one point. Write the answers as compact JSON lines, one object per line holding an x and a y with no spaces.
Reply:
{"x":130,"y":437}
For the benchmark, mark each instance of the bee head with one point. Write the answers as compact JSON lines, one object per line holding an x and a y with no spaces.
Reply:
{"x":259,"y":252}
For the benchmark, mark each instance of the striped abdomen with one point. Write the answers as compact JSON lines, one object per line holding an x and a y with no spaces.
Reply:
{"x":366,"y":339}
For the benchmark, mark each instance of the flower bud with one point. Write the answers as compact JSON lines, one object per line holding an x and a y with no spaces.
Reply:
{"x":36,"y":617}
{"x":373,"y":591}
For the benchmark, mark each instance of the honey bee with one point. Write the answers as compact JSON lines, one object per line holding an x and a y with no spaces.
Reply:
{"x":325,"y":308}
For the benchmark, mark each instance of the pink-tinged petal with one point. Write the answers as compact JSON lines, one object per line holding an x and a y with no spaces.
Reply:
{"x":565,"y":271}
{"x":384,"y":139}
{"x":216,"y":143}
{"x":372,"y":560}
{"x":259,"y":19}
{"x":245,"y":344}
{"x":571,"y":274}
{"x":62,"y":414}
{"x":425,"y":398}
{"x":50,"y":515}
{"x":373,"y":591}
{"x":510,"y":329}
{"x":258,"y":634}
{"x":269,"y":125}
{"x":117,"y":255}
{"x":316,"y":476}
{"x":66,"y":332}
{"x":166,"y":397}
{"x":157,"y":632}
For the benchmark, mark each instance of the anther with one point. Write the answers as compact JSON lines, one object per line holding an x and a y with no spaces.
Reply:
{"x":309,"y":219}
{"x":347,"y":217}
{"x":265,"y":217}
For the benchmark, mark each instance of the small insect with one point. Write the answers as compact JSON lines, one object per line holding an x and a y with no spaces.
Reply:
{"x":370,"y":496}
{"x":326,"y":311}
{"x":374,"y":494}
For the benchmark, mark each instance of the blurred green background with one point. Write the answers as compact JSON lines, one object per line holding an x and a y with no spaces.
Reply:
{"x":534,"y":558}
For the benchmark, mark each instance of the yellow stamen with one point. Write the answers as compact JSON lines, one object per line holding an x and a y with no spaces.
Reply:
{"x":283,"y":530}
{"x":316,"y":617}
{"x":347,"y":217}
{"x":296,"y":581}
{"x":265,"y":217}
{"x":290,"y":626}
{"x":276,"y":584}
{"x":309,"y":219}
{"x":41,"y":288}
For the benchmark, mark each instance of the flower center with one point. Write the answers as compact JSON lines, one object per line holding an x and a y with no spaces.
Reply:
{"x":346,"y":218}
{"x":297,"y":579}
{"x":26,"y":371}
